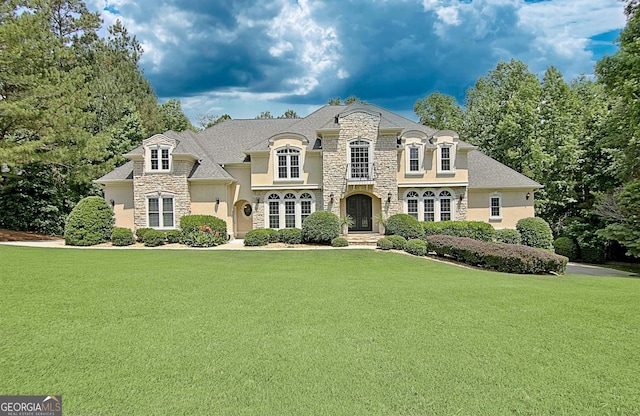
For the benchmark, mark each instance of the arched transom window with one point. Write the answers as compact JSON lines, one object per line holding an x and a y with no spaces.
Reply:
{"x":430,"y":205}
{"x":288,"y":209}
{"x":288,"y":163}
{"x":360,"y":164}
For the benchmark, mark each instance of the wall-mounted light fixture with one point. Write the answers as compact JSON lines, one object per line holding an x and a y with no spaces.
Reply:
{"x":389,"y":195}
{"x":332,"y":198}
{"x":217,"y":200}
{"x":461,"y":197}
{"x":528,"y":195}
{"x":257,"y":199}
{"x":113,"y":203}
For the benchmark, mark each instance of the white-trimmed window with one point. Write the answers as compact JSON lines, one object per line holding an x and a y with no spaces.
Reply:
{"x":446,"y":158}
{"x":495,"y":207}
{"x":412,"y":204}
{"x":445,"y":199}
{"x":288,"y":163}
{"x":360,"y":166}
{"x":429,"y":206}
{"x":160,"y":213}
{"x":414,"y":159}
{"x":159,"y":159}
{"x":288,"y":210}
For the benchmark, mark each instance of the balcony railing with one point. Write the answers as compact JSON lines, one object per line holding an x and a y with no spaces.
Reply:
{"x":360,"y":172}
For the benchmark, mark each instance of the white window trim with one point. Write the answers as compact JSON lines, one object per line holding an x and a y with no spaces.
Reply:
{"x":276,"y":165}
{"x":452,"y":158}
{"x":281,"y":207}
{"x":160,"y":197}
{"x":369,"y":155}
{"x":420,"y":170}
{"x":498,"y":196}
{"x":436,"y":202}
{"x":159,"y":148}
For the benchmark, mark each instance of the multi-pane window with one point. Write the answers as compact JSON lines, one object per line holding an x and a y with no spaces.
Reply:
{"x":429,"y":201}
{"x":495,"y":206}
{"x":165,"y":158}
{"x":274,"y":211}
{"x":414,"y":159}
{"x":159,"y":159}
{"x":305,"y":206}
{"x":154,"y":159}
{"x":445,"y":206}
{"x":288,"y":163}
{"x":160,"y":212}
{"x":289,"y":210}
{"x":412,"y":204}
{"x":445,"y":158}
{"x":360,"y":167}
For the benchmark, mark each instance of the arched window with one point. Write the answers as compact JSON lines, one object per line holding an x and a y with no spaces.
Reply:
{"x":305,"y":206}
{"x":289,"y":210}
{"x":288,"y":163}
{"x":412,"y":204}
{"x":274,"y":211}
{"x":360,"y":166}
{"x":429,"y":204}
{"x":445,"y":198}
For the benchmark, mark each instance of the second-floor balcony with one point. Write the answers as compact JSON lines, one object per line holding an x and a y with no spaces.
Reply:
{"x":360,"y":172}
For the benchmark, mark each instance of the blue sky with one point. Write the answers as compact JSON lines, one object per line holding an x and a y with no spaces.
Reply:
{"x":243,"y":57}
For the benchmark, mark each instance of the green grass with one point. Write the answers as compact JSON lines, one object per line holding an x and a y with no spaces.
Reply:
{"x":336,"y":332}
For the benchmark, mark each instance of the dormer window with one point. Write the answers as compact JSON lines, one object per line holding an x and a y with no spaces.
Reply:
{"x":446,"y":158}
{"x":159,"y":159}
{"x":414,"y":158}
{"x":288,"y":163}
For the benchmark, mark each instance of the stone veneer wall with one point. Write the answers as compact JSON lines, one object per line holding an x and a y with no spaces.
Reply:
{"x":259,"y":209}
{"x":174,"y":183}
{"x":461,"y":207}
{"x":336,"y":156}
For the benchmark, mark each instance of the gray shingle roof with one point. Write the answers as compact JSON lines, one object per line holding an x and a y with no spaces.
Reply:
{"x":485,"y":172}
{"x":121,"y":173}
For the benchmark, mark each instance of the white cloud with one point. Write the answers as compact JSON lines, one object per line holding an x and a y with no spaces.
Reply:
{"x":342,"y":73}
{"x":448,"y":15}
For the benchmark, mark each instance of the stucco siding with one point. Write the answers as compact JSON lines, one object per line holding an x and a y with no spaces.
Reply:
{"x":122,"y":196}
{"x":514,"y":207}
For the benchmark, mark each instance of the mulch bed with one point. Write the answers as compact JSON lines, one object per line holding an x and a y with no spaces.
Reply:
{"x":10,"y":235}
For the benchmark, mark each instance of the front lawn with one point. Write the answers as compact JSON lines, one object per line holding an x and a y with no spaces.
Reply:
{"x":336,"y":332}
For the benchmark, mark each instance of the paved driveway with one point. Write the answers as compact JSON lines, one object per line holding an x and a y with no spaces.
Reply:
{"x":589,"y":270}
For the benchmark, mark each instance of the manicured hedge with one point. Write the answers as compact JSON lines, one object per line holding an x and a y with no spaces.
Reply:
{"x":416,"y":246}
{"x":509,"y":258}
{"x":141,"y":232}
{"x":274,"y":237}
{"x":89,"y":223}
{"x":203,"y":230}
{"x":154,"y":238}
{"x":339,"y":242}
{"x":290,"y":236}
{"x":404,"y":225}
{"x":384,"y":243}
{"x":257,"y":237}
{"x":535,"y":232}
{"x":565,"y":246}
{"x":476,"y":230}
{"x":398,"y":242}
{"x":122,"y":237}
{"x":508,"y":236}
{"x":174,"y":236}
{"x":321,"y":227}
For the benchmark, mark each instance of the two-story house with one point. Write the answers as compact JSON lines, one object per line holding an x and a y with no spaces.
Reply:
{"x":357,"y":160}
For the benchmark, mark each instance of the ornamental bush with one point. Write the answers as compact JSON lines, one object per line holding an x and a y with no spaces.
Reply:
{"x":509,"y":258}
{"x":189,"y":223}
{"x":274,"y":237}
{"x":122,"y":237}
{"x":289,"y":236}
{"x":384,"y":243}
{"x":89,"y":223}
{"x":404,"y":225}
{"x":417,"y":247}
{"x":565,"y":246}
{"x":321,"y":227}
{"x":141,"y":232}
{"x":154,"y":238}
{"x":508,"y":236}
{"x":398,"y":242}
{"x":535,"y":232}
{"x":174,"y":236}
{"x":339,"y":242}
{"x":257,"y":237}
{"x":476,"y":230}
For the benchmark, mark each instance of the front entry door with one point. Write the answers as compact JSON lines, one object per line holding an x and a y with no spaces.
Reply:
{"x":359,"y":209}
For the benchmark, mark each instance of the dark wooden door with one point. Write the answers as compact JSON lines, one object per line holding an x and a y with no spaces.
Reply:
{"x":359,"y":209}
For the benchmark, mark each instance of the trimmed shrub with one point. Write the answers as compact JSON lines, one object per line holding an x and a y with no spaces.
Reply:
{"x":122,"y":237}
{"x":174,"y":236}
{"x":290,"y":236}
{"x":203,"y":237}
{"x":476,"y":230}
{"x":508,"y":236}
{"x":404,"y":225}
{"x":416,"y":247}
{"x":339,"y":242}
{"x":565,"y":246}
{"x":154,"y":238}
{"x":398,"y":242}
{"x":384,"y":243}
{"x":257,"y":237}
{"x":321,"y":227}
{"x":274,"y":237}
{"x":509,"y":258}
{"x":89,"y":223}
{"x":535,"y":232}
{"x":141,"y":232}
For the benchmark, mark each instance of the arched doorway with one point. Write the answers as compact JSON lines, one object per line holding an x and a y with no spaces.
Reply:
{"x":359,"y":208}
{"x":244,"y":218}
